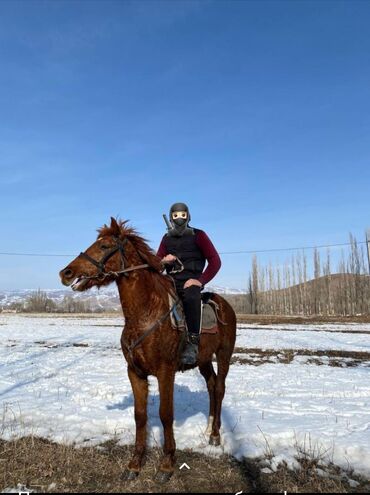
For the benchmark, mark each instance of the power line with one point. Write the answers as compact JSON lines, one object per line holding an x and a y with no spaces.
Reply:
{"x":36,"y":254}
{"x":290,"y":248}
{"x":252,"y":251}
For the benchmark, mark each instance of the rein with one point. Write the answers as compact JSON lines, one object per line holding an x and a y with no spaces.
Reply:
{"x":102,"y":274}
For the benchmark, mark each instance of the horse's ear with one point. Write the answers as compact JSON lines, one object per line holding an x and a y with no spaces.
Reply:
{"x":114,"y":227}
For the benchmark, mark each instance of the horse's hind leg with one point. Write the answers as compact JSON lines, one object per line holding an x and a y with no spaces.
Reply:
{"x":166,"y":379}
{"x":140,"y":390}
{"x":223,"y":363}
{"x":209,"y":375}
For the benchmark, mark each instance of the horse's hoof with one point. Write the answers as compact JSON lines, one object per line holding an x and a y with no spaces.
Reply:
{"x":129,"y":475}
{"x":214,"y":440}
{"x":163,"y":476}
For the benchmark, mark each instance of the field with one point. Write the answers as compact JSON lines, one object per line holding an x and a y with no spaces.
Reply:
{"x":296,"y":412}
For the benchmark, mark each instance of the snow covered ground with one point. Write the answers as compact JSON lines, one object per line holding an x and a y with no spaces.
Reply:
{"x":65,"y":379}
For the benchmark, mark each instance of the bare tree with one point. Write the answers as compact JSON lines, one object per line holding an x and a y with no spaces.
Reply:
{"x":38,"y":302}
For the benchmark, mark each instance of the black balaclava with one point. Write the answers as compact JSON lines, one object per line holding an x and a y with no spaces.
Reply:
{"x":180,"y":225}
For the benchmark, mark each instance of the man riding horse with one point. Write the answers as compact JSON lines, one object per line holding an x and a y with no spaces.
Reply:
{"x":192,"y":247}
{"x":149,"y":346}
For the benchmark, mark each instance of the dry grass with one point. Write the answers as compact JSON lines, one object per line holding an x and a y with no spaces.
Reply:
{"x":45,"y":466}
{"x":311,"y":477}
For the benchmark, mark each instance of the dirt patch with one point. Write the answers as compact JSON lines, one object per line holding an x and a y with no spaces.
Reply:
{"x":104,"y":325}
{"x":50,"y":345}
{"x":256,"y":357}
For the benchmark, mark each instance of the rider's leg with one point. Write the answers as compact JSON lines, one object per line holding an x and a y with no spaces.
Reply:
{"x":192,"y":308}
{"x":191,"y":299}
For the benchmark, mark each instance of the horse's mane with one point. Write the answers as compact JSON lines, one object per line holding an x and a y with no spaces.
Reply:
{"x":121,"y":230}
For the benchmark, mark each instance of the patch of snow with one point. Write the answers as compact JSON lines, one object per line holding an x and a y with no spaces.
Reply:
{"x":353,"y":483}
{"x":18,"y":489}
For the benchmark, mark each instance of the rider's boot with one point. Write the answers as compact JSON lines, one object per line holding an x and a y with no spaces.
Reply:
{"x":190,"y":352}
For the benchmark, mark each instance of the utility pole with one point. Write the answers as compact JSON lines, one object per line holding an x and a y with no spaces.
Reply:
{"x":368,"y":246}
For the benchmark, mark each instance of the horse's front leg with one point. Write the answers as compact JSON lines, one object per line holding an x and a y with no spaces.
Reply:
{"x":140,"y":390}
{"x":166,"y":379}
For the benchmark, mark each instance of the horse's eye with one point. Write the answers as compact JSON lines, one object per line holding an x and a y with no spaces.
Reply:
{"x":104,"y":246}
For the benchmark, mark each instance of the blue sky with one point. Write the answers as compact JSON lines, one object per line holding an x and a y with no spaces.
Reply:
{"x":255,"y":113}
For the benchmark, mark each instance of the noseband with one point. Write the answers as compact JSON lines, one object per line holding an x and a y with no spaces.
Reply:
{"x":102,"y":274}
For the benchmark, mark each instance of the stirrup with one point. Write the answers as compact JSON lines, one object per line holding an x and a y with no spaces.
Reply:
{"x":193,"y":338}
{"x":190,"y":353}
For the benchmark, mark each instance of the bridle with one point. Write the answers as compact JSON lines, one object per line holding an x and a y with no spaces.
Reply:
{"x":102,"y":274}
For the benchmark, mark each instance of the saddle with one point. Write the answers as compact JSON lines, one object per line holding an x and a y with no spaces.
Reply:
{"x":209,"y":314}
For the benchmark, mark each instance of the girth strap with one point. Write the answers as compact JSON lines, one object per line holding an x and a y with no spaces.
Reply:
{"x":151,"y":328}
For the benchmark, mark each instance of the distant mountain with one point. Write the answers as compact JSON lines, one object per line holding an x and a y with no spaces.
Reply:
{"x":337,"y":281}
{"x":105,"y":298}
{"x":97,"y":299}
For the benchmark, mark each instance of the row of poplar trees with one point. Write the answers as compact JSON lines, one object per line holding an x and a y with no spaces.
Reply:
{"x":295,"y":288}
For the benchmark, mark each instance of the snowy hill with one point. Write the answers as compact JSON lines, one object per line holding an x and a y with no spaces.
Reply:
{"x":104,"y":298}
{"x":107,"y":297}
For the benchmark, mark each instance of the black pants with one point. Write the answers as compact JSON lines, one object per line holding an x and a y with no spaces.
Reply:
{"x":192,"y":305}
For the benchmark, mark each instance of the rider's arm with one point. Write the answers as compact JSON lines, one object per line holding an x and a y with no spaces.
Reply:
{"x":162,"y":251}
{"x":211,"y":255}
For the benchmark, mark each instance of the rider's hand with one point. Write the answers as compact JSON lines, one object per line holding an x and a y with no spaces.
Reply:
{"x":192,"y":281}
{"x":169,"y":258}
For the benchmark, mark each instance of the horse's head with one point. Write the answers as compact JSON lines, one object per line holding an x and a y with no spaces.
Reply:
{"x":117,"y":246}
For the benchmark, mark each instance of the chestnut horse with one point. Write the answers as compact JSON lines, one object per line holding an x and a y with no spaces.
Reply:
{"x":149,"y":343}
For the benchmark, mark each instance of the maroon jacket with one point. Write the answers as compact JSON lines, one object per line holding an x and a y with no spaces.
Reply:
{"x":209,"y":251}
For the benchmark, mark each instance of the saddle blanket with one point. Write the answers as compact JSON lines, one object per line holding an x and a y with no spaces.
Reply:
{"x":209,"y":322}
